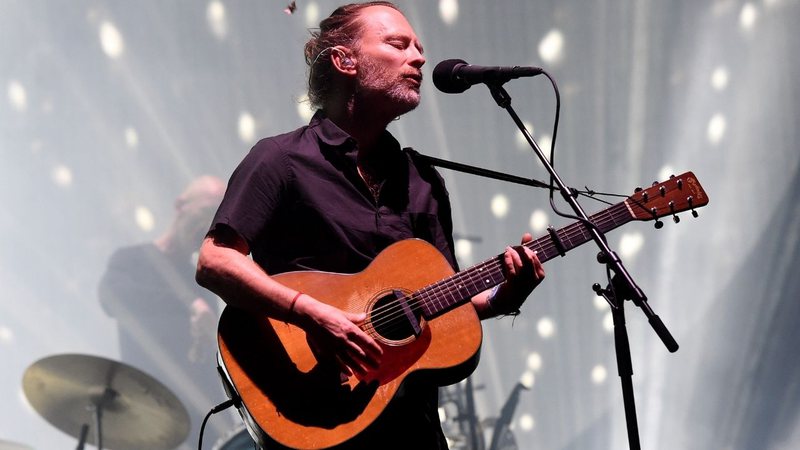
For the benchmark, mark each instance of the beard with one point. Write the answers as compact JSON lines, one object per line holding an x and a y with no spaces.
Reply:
{"x":393,"y":92}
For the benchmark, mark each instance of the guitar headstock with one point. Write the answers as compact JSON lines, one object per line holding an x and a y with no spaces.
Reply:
{"x":668,"y":198}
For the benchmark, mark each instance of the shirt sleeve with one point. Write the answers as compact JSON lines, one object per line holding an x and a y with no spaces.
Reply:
{"x":255,"y":191}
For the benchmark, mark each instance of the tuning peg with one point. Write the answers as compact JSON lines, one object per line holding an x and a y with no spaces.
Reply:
{"x":638,"y":189}
{"x":675,"y":217}
{"x":658,"y":223}
{"x":690,"y":200}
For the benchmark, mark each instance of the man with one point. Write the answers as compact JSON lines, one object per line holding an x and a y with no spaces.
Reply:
{"x":330,"y":196}
{"x":166,"y":323}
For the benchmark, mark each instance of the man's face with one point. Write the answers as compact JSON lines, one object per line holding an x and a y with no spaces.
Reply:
{"x":389,"y":58}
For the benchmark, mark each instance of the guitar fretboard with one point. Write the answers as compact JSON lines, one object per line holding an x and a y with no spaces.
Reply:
{"x":462,"y":286}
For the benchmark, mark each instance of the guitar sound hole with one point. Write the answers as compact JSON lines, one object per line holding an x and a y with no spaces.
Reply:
{"x":394,"y":322}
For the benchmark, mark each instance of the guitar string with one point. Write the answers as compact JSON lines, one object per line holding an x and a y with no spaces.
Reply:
{"x":435,"y":292}
{"x":393,"y":313}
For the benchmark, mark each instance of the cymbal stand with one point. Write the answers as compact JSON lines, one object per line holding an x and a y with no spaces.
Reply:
{"x":96,"y":408}
{"x":82,"y":437}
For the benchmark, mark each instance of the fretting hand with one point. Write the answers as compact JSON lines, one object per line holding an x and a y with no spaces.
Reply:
{"x":523,"y":272}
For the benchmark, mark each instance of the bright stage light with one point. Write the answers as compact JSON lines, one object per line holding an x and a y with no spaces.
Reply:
{"x":448,"y":11}
{"x":17,"y":96}
{"x":546,"y":327}
{"x":6,"y":335}
{"x":599,"y":374}
{"x":144,"y":218}
{"x":111,"y":40}
{"x":551,"y":47}
{"x":630,"y":244}
{"x":716,"y":128}
{"x":217,"y":19}
{"x":719,"y":78}
{"x":131,"y":137}
{"x":62,"y":176}
{"x":312,"y":15}
{"x":247,"y":127}
{"x":500,"y":206}
{"x":304,"y":109}
{"x":463,"y":249}
{"x":748,"y":16}
{"x":527,"y":379}
{"x":526,"y":422}
{"x":538,"y":222}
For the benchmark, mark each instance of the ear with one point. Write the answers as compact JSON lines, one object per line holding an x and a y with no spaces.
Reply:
{"x":343,"y":60}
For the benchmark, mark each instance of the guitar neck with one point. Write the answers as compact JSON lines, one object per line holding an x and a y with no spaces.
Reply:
{"x":462,"y":286}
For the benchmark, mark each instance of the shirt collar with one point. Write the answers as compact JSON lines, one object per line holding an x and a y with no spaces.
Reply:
{"x":329,"y":133}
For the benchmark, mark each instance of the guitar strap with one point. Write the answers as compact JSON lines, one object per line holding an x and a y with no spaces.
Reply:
{"x":472,"y":170}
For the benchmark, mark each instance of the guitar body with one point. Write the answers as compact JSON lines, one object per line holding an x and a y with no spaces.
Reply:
{"x":292,"y":398}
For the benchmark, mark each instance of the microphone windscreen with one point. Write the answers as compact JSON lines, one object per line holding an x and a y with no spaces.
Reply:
{"x":445,"y":80}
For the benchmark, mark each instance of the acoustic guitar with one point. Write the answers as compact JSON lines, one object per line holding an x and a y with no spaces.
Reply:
{"x":418,"y":311}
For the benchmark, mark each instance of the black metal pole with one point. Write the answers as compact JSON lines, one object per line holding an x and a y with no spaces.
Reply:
{"x":625,"y":370}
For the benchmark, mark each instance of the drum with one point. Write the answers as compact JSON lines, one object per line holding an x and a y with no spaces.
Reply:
{"x":239,"y":439}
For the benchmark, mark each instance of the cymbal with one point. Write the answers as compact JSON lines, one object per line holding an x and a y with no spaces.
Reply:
{"x":8,"y":445}
{"x":137,"y":411}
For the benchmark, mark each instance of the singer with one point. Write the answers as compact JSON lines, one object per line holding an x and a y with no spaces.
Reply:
{"x":330,"y":196}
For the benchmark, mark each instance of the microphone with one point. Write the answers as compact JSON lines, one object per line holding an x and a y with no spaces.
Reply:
{"x":455,"y":76}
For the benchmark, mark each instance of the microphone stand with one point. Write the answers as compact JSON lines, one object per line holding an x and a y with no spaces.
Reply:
{"x":622,"y":285}
{"x":624,"y":282}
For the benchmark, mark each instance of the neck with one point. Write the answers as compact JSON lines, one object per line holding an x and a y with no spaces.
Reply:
{"x":363,"y":123}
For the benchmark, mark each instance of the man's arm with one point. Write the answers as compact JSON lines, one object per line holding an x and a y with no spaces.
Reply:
{"x":225,"y":269}
{"x":523,"y":272}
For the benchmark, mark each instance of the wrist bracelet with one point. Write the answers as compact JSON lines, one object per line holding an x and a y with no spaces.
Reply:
{"x":490,"y":302}
{"x":291,"y":305}
{"x":490,"y":299}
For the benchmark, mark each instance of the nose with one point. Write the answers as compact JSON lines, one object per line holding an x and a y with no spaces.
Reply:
{"x":417,"y":58}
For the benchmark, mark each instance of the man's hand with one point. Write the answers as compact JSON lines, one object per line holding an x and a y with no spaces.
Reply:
{"x":523,"y":272}
{"x":335,"y":335}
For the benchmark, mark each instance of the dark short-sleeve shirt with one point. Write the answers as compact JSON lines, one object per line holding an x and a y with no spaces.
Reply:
{"x":298,"y":201}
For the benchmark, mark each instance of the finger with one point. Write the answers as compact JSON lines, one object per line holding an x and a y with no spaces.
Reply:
{"x":533,"y":259}
{"x":512,"y":261}
{"x":526,"y":263}
{"x":357,"y":318}
{"x":526,"y":238}
{"x":539,"y":269}
{"x":364,"y":340}
{"x":358,"y":356}
{"x":369,"y":350}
